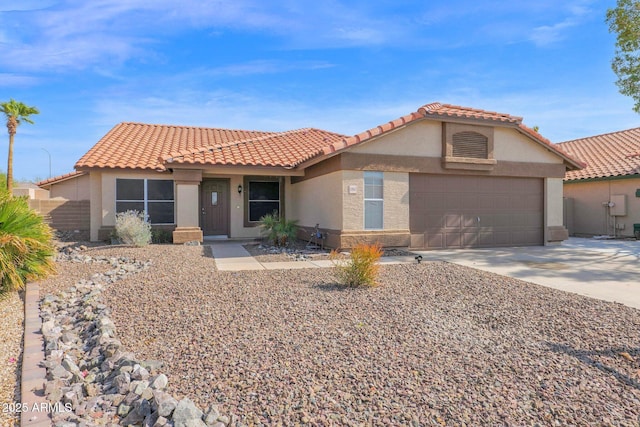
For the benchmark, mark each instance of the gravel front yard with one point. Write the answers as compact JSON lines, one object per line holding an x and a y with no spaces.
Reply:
{"x":11,"y":331}
{"x":435,"y":344}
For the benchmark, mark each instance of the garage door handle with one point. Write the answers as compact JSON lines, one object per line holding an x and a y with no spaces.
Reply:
{"x":478,"y":219}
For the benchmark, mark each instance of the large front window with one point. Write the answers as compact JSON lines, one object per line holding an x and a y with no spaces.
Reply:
{"x":263,"y":197}
{"x":153,"y":197}
{"x":373,"y":200}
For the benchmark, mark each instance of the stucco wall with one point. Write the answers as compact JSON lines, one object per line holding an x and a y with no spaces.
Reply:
{"x":423,"y":138}
{"x":317,"y":201}
{"x":590,"y":217}
{"x":396,"y":201}
{"x":188,"y":207}
{"x":511,"y":145}
{"x":72,"y":189}
{"x":553,"y":202}
{"x":352,"y":204}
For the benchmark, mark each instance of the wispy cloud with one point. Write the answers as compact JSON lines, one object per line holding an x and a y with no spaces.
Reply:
{"x":74,"y":35}
{"x":545,"y":35}
{"x":17,"y":80}
{"x":267,"y":67}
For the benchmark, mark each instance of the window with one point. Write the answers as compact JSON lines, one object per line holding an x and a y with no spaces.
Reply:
{"x":263,"y":197}
{"x":154,"y":197}
{"x":373,"y":200}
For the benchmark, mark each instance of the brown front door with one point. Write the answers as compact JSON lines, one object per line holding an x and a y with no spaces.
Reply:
{"x":214,"y":204}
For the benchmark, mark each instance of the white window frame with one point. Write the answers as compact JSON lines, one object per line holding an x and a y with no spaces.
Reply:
{"x":377,"y":175}
{"x":146,"y":200}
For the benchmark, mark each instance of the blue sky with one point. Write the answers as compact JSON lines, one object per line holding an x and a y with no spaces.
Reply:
{"x":343,"y":66}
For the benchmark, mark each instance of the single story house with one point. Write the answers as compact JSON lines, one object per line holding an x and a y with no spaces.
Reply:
{"x":603,"y":198}
{"x":443,"y":176}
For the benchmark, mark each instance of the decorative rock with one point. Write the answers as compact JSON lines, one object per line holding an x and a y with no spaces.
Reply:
{"x":165,"y":403}
{"x":211,"y":417}
{"x":139,"y":373}
{"x":121,"y":383}
{"x":187,"y":414}
{"x":160,"y":422}
{"x":159,"y":382}
{"x":123,"y":410}
{"x":84,"y":358}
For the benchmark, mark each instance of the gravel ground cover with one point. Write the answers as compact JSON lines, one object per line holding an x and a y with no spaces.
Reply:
{"x":299,"y":251}
{"x":435,"y":344}
{"x":11,"y":331}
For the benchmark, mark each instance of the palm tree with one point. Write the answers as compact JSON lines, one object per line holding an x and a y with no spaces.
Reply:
{"x":16,"y":113}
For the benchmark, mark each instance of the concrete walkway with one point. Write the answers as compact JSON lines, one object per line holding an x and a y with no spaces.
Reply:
{"x":607,"y":270}
{"x":232,"y":256}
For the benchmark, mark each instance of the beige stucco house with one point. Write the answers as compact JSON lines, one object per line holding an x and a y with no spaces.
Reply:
{"x":443,"y":176}
{"x":604,"y":197}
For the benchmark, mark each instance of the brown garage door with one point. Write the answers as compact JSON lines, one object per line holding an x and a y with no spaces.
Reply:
{"x":449,"y":211}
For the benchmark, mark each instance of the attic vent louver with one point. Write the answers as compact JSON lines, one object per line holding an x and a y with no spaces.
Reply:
{"x":470,"y":145}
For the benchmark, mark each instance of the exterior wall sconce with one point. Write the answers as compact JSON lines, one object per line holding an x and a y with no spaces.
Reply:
{"x":239,"y":189}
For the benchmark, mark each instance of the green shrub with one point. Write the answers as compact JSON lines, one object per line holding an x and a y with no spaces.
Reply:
{"x":160,"y":235}
{"x":279,"y":231}
{"x":26,"y":249}
{"x":361,"y":269}
{"x":132,"y":229}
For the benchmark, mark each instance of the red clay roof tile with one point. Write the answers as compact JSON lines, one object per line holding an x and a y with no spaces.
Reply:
{"x":60,"y":178}
{"x":607,"y":155}
{"x":154,"y":147}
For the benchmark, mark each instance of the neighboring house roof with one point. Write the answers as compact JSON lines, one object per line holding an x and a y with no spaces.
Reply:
{"x":609,"y":155}
{"x":60,"y":178}
{"x":157,"y":147}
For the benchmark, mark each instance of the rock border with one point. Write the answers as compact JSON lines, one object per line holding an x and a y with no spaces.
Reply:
{"x":91,"y":378}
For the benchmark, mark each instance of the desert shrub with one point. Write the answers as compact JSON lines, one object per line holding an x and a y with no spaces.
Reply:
{"x":132,"y":229}
{"x":26,"y":249}
{"x":159,"y":236}
{"x":361,"y":268}
{"x":277,"y":230}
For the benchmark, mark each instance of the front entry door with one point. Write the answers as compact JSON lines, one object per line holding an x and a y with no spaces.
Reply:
{"x":214,"y":204}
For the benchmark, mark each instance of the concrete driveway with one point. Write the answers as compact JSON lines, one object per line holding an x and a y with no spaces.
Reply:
{"x":604,"y":269}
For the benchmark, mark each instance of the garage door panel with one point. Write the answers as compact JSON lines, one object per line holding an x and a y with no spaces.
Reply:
{"x":446,"y":209}
{"x":434,"y":241}
{"x":452,"y":221}
{"x":469,"y":220}
{"x":453,"y":240}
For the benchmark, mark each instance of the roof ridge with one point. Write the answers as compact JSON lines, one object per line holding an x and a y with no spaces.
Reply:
{"x":600,"y":135}
{"x":239,"y":142}
{"x":196,"y":127}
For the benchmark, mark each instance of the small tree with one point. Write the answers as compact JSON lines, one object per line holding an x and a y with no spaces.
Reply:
{"x":624,"y":20}
{"x":16,"y":113}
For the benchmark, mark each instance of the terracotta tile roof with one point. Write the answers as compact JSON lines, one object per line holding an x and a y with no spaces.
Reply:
{"x":284,"y":149}
{"x":141,"y":146}
{"x":156,"y":147}
{"x":60,"y":178}
{"x":611,"y":154}
{"x":438,"y":111}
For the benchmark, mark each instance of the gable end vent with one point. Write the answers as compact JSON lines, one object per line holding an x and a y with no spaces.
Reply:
{"x":470,"y":144}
